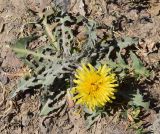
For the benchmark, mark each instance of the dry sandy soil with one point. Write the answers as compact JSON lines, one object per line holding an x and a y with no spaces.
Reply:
{"x":22,"y":116}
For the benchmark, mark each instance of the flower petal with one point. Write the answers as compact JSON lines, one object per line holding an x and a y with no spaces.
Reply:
{"x":94,"y":87}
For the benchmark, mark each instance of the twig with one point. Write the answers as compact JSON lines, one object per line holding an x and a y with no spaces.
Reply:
{"x":3,"y":94}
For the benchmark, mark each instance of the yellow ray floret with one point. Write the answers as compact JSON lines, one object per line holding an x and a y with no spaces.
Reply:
{"x":94,"y":87}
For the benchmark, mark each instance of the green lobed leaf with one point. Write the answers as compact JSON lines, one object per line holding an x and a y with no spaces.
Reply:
{"x":20,"y":47}
{"x":93,"y":116}
{"x":23,"y":85}
{"x":126,"y":42}
{"x":21,"y":50}
{"x":57,"y":102}
{"x":46,"y":109}
{"x":137,"y":100}
{"x":138,"y":66}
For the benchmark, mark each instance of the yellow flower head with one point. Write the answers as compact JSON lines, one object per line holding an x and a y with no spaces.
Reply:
{"x":94,"y":87}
